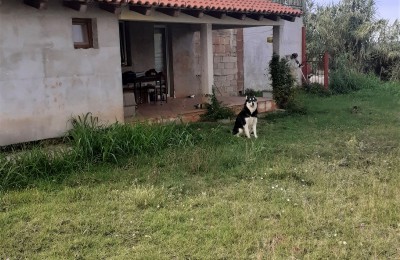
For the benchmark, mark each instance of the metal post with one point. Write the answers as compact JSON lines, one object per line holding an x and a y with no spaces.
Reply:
{"x":326,"y":69}
{"x":304,"y":53}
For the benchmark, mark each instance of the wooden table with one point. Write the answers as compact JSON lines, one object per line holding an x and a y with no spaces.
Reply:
{"x":141,"y":91}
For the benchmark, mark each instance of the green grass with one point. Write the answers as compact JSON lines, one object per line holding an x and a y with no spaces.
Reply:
{"x":317,"y":186}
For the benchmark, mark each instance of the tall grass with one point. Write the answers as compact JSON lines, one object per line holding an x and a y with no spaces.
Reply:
{"x":97,"y":142}
{"x":87,"y":143}
{"x":323,"y":185}
{"x":345,"y":79}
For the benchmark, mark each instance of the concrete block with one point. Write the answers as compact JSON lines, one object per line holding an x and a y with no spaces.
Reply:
{"x":229,"y":71}
{"x":230,"y":65}
{"x":129,"y":99}
{"x":218,"y":72}
{"x":129,"y":111}
{"x":229,"y":59}
{"x":217,"y":58}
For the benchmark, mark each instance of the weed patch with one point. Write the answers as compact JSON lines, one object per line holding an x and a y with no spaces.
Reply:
{"x":319,"y":185}
{"x":89,"y":143}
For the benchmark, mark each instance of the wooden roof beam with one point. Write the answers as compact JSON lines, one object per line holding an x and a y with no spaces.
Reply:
{"x":288,"y":18}
{"x":38,"y":4}
{"x":144,"y":10}
{"x":110,"y":7}
{"x":194,"y":13}
{"x":240,"y":16}
{"x":257,"y":17}
{"x":76,"y":5}
{"x":271,"y":17}
{"x":216,"y":14}
{"x":174,"y":12}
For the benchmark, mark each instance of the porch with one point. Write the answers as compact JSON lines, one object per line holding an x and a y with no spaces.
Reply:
{"x":184,"y":110}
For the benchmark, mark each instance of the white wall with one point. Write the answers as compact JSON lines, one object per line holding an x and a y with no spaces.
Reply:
{"x":44,"y":80}
{"x":258,"y":52}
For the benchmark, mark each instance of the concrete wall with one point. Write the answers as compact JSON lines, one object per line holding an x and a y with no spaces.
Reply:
{"x":258,"y":52}
{"x":44,"y":80}
{"x":185,"y":55}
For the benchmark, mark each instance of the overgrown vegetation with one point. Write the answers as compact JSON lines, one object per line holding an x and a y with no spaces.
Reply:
{"x":317,"y":89}
{"x":345,"y":79}
{"x":316,"y":186}
{"x":216,"y":110}
{"x":89,"y":143}
{"x":282,"y":81}
{"x":350,"y":30}
{"x":283,"y":91}
{"x":253,"y":93}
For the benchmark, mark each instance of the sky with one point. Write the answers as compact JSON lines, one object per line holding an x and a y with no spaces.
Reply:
{"x":386,"y":9}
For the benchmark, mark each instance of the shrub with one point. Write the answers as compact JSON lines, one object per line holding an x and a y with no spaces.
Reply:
{"x":283,"y":91}
{"x":316,"y":89}
{"x":346,"y":77}
{"x":251,"y":92}
{"x":282,"y":81}
{"x":216,"y":110}
{"x":344,"y":81}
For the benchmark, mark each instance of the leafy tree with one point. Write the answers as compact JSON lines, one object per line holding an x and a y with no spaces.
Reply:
{"x":350,"y":29}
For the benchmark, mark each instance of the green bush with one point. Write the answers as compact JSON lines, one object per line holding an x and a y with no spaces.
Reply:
{"x":283,"y":91}
{"x":343,"y":81}
{"x":345,"y":77}
{"x":253,"y":93}
{"x":216,"y":110}
{"x":316,"y":89}
{"x":282,"y":81}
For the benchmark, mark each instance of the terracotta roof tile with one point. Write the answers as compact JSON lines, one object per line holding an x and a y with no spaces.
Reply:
{"x":245,"y":6}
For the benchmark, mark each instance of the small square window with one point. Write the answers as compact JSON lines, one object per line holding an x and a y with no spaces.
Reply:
{"x":82,"y":33}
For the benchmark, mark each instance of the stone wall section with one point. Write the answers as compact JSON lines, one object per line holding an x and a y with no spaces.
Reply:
{"x":228,"y":60}
{"x":225,"y":62}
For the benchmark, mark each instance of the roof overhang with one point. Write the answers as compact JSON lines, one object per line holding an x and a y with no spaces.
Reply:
{"x":220,"y":13}
{"x":225,"y":21}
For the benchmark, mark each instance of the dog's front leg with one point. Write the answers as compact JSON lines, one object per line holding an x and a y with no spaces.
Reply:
{"x":246,"y":130}
{"x":255,"y":128}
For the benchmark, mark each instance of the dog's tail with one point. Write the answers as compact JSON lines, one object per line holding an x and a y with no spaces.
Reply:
{"x":235,"y":131}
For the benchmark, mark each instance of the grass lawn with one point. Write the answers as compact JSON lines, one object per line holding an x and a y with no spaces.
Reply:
{"x":321,"y":185}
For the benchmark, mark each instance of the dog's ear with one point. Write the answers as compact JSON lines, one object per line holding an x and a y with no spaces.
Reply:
{"x":246,"y":97}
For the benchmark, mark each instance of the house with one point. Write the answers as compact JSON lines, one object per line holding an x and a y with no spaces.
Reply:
{"x":61,"y":58}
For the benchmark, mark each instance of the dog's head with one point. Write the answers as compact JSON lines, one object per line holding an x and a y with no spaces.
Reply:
{"x":251,"y":103}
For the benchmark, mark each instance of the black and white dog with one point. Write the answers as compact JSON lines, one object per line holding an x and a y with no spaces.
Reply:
{"x":246,"y":120}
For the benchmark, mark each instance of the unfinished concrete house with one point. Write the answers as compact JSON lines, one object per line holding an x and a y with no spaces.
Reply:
{"x":121,"y":59}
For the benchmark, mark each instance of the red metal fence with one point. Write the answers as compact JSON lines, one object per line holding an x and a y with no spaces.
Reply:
{"x":316,"y":69}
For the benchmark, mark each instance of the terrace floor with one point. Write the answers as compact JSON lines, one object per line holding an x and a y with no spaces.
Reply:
{"x":183,"y":109}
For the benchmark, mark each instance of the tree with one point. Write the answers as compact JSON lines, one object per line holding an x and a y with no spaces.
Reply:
{"x":350,"y":29}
